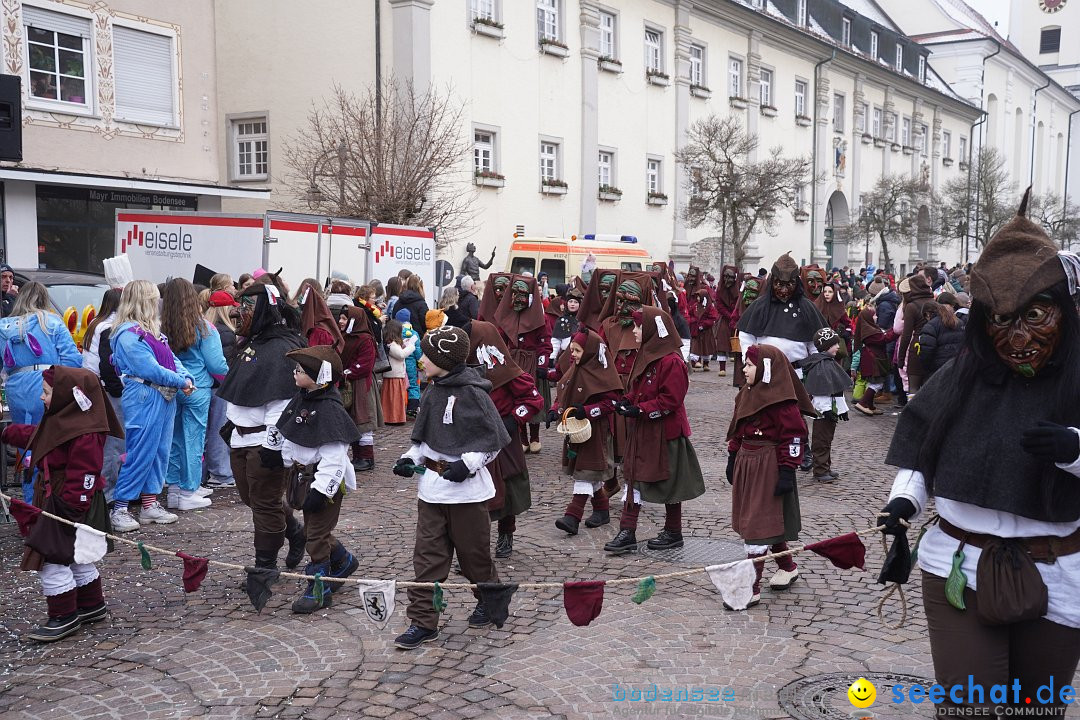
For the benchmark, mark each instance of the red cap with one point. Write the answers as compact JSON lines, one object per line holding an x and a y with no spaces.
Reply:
{"x":222,"y":298}
{"x":638,"y":317}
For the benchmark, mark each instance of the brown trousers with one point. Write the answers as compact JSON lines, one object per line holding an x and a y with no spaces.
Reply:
{"x":319,"y":528}
{"x":440,"y":530}
{"x":261,"y":489}
{"x":821,"y":445}
{"x":1031,"y":652}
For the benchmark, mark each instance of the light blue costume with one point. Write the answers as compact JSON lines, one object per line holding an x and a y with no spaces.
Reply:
{"x":412,"y":364}
{"x":148,"y":416}
{"x":28,"y":351}
{"x":203,"y":361}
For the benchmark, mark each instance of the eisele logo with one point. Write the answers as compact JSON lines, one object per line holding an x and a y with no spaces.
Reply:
{"x":402,"y":251}
{"x":174,"y":242}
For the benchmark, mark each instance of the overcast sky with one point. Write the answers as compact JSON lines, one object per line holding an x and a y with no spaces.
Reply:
{"x":994,"y":11}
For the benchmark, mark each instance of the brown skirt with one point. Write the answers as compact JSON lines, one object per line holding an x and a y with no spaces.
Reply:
{"x":760,"y":517}
{"x":510,"y":475}
{"x":395,"y":396}
{"x":704,"y":345}
{"x":722,"y":334}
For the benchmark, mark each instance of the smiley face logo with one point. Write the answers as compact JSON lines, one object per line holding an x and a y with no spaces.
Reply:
{"x":862,"y":693}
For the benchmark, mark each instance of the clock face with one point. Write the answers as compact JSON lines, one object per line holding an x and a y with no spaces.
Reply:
{"x":1051,"y":6}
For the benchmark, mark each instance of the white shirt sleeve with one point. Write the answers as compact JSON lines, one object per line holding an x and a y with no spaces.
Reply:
{"x":415,"y":454}
{"x":1072,"y":468}
{"x":476,"y":460}
{"x":330,"y":472}
{"x":911,"y":485}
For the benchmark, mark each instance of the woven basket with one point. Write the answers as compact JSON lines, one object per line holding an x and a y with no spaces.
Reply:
{"x":736,"y":346}
{"x":577,"y":431}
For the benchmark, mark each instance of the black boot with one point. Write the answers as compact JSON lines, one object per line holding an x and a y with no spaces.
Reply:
{"x":505,"y":545}
{"x":479,"y":617}
{"x":342,"y":565}
{"x":807,"y":462}
{"x":624,"y":542}
{"x":63,"y":618}
{"x":294,"y":533}
{"x":308,"y":603}
{"x":568,"y":524}
{"x":666,"y":540}
{"x":598,"y":518}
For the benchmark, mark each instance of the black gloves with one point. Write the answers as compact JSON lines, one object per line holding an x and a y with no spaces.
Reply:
{"x":270,"y":459}
{"x":315,"y":501}
{"x":578,"y":412}
{"x":890,"y":516}
{"x":843,"y":416}
{"x":552,"y":416}
{"x":1050,"y":441}
{"x":404,"y":467}
{"x":730,"y":472}
{"x":457,"y":472}
{"x":624,"y":408}
{"x":786,"y":482}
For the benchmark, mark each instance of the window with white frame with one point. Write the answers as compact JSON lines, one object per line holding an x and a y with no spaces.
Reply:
{"x":549,"y":160}
{"x":838,"y":112}
{"x":654,"y":50}
{"x":734,"y":77}
{"x":800,"y":98}
{"x":921,"y":138}
{"x":653,"y":175}
{"x":251,"y":149}
{"x":946,"y":144}
{"x":58,"y":57}
{"x":694,"y":180}
{"x":697,"y":65}
{"x":845,"y":32}
{"x":899,"y":65}
{"x":143,"y":76}
{"x":905,"y":132}
{"x":877,"y":122}
{"x":547,"y":19}
{"x":482,"y":10}
{"x":606,"y":166}
{"x":607,"y":35}
{"x":963,"y":149}
{"x":922,"y":68}
{"x":800,"y":13}
{"x":874,"y":45}
{"x":800,"y":198}
{"x":891,"y":127}
{"x":483,"y":152}
{"x":861,"y":118}
{"x":765,"y":87}
{"x":759,"y":4}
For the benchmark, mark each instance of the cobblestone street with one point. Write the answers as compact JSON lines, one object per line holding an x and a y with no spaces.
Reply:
{"x":162,"y":654}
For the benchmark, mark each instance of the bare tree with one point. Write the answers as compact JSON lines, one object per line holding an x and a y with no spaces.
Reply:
{"x":977,"y":204}
{"x":1060,"y":221}
{"x":729,"y":191}
{"x":890,"y":211}
{"x":396,"y":161}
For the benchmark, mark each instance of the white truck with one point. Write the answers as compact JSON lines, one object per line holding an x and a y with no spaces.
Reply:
{"x":160,"y":245}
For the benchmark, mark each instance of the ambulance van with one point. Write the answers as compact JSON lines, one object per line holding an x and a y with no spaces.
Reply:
{"x":562,"y":258}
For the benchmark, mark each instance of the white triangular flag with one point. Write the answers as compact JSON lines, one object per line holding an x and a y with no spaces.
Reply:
{"x":602,"y":355}
{"x":767,"y":375}
{"x":661,"y":327}
{"x":326,"y":373}
{"x":377,"y":597}
{"x":735,"y":581}
{"x":272,"y":293}
{"x":90,"y":544}
{"x":81,"y":399}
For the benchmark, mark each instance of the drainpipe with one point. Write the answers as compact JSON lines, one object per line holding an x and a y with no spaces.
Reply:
{"x":814,"y":159}
{"x":1034,"y":124}
{"x":971,"y":148}
{"x":1065,"y":191}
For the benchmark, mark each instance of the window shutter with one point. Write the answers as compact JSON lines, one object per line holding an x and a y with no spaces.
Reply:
{"x":57,"y":22}
{"x":144,"y":76}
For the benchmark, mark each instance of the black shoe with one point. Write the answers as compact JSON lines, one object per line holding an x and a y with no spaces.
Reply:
{"x":825,"y":479}
{"x":308,"y":603}
{"x":666,"y":540}
{"x":415,"y":636}
{"x":504,"y":546}
{"x":342,"y":564}
{"x":598,"y":518}
{"x":624,"y":542}
{"x":363,"y":465}
{"x":568,"y":524}
{"x":90,"y":615}
{"x":56,"y":628}
{"x":807,"y":463}
{"x":479,"y":617}
{"x":297,"y":542}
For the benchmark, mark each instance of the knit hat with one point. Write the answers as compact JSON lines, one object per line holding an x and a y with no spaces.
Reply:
{"x":1017,"y":264}
{"x":403,"y":315}
{"x":876,"y":286}
{"x":320,"y":362}
{"x":825,"y":338}
{"x":446,"y":346}
{"x":964,"y":299}
{"x":222,"y":298}
{"x":434,"y":319}
{"x":947,"y":298}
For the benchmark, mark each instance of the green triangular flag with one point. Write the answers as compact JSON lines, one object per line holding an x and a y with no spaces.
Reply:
{"x":146,"y":563}
{"x":645,"y":590}
{"x":437,"y":599}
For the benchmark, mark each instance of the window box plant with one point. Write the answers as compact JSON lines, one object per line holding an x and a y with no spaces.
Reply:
{"x":551,"y":46}
{"x":769,"y":110}
{"x":879,"y":142}
{"x":738,"y":103}
{"x":963,"y":165}
{"x":867,"y":138}
{"x":657,"y":77}
{"x":609,"y":193}
{"x":895,"y":147}
{"x":553,"y":186}
{"x":908,"y":150}
{"x":801,"y":215}
{"x":610,"y":64}
{"x":657,"y":198}
{"x":488,"y":27}
{"x":947,"y":162}
{"x":803,"y":120}
{"x":489,"y":178}
{"x":700,"y":91}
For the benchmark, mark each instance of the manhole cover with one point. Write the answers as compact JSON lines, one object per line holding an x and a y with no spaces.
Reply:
{"x":698,"y":552}
{"x":825,"y":696}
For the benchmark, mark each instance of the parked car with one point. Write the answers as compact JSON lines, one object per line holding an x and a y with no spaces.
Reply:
{"x":67,"y":288}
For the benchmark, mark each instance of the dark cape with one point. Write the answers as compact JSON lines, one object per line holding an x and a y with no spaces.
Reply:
{"x":317,"y":417}
{"x":262,"y":373}
{"x":981,"y":462}
{"x":475,"y":422}
{"x":823,"y":375}
{"x":796,"y":319}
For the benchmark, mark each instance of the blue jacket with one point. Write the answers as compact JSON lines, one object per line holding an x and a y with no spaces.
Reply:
{"x":411,"y":361}
{"x":131,"y":356}
{"x":205,"y":359}
{"x":25,"y":344}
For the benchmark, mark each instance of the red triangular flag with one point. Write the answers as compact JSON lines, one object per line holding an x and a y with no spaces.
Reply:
{"x":194,"y":571}
{"x":845,"y":552}
{"x":25,"y":515}
{"x":583,"y":600}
